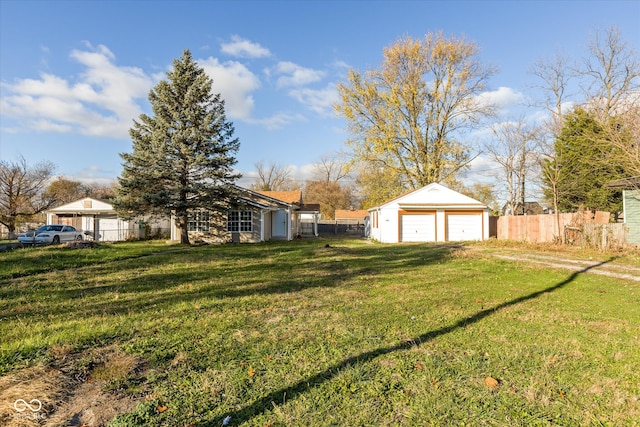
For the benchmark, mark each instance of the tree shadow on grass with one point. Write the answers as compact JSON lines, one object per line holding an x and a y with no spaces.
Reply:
{"x":237,"y":271}
{"x":220,"y":275}
{"x":260,"y":406}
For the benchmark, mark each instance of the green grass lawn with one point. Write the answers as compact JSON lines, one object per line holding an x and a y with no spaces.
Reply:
{"x":355,"y":334}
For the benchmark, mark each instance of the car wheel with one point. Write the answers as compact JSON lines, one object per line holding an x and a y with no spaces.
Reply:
{"x":79,"y":239}
{"x":56,"y":240}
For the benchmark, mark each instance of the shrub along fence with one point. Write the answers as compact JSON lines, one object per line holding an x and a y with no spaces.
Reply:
{"x":601,"y":236}
{"x":585,"y":228}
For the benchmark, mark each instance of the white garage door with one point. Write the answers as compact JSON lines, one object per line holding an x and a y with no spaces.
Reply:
{"x":418,"y":228}
{"x":464,"y":227}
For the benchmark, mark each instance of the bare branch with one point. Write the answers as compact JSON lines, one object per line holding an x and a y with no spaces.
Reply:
{"x":272,"y":177}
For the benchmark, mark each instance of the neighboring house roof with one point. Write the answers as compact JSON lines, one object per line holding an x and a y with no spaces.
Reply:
{"x":87,"y":205}
{"x":633,"y":182}
{"x":292,"y":197}
{"x":433,"y":196}
{"x":530,"y":208}
{"x":351,"y":214}
{"x":309,"y":208}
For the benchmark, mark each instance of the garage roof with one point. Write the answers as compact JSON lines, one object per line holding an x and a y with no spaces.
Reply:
{"x":87,"y":205}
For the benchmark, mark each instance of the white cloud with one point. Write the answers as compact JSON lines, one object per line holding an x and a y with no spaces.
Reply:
{"x":321,"y":101}
{"x":277,"y":121}
{"x":502,"y":98}
{"x":93,"y":175}
{"x":104,"y":98}
{"x":306,"y":171}
{"x":102,"y":102}
{"x":295,"y":75}
{"x":341,"y":65}
{"x":482,"y":169}
{"x":234,"y":82}
{"x":242,"y":48}
{"x":48,"y":126}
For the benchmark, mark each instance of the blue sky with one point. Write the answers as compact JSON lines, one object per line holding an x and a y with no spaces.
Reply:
{"x":75,"y":74}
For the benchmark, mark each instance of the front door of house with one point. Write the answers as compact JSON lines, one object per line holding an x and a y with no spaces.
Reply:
{"x":279,"y":224}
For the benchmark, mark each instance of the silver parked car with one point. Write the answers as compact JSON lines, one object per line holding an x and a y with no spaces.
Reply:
{"x":55,"y":233}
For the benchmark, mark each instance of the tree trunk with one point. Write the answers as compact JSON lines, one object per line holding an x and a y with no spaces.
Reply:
{"x":11,"y":227}
{"x":182,"y":227}
{"x":555,"y":208}
{"x":522,"y":198}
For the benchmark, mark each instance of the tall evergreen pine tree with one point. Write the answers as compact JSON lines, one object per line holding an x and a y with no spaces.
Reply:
{"x":183,"y":155}
{"x":585,"y":162}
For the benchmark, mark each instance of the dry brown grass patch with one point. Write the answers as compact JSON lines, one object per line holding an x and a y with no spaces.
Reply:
{"x":70,"y":391}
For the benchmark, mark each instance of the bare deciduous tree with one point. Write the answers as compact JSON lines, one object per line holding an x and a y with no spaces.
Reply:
{"x":553,"y":79}
{"x":611,"y":74}
{"x":514,"y":150}
{"x":328,"y":187}
{"x":332,"y":167}
{"x":272,"y":177}
{"x":22,"y":191}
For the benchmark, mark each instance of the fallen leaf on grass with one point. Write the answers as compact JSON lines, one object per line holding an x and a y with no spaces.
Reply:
{"x":251,"y":372}
{"x":419,"y":366}
{"x":491,"y":382}
{"x":161,"y":409}
{"x":435,"y":382}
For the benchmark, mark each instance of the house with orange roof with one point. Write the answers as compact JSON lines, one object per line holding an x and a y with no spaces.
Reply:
{"x":293,"y":197}
{"x":351,"y":215}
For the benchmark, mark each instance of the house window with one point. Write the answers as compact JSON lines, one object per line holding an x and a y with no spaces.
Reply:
{"x":240,"y":221}
{"x":198,"y":221}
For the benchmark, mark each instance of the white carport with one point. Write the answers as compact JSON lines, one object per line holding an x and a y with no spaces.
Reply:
{"x":433,"y":213}
{"x":99,"y":221}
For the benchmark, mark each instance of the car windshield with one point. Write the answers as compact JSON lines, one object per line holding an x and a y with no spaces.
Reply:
{"x":49,"y":228}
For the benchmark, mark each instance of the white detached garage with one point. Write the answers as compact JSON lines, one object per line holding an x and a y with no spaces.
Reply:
{"x":433,"y":213}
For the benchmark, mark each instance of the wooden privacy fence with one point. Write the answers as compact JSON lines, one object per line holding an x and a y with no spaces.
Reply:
{"x":582,"y":228}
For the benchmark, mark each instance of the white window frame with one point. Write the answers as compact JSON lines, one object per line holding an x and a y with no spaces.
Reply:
{"x":199,"y":220}
{"x":240,"y":221}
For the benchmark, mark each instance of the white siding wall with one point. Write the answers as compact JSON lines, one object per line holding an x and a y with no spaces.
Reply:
{"x":440,"y":226}
{"x":388,"y":223}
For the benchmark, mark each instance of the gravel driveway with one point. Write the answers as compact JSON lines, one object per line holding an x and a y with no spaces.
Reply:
{"x":603,"y":268}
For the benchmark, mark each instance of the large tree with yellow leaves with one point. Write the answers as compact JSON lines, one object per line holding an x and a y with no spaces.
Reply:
{"x":407,"y":118}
